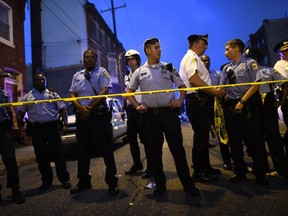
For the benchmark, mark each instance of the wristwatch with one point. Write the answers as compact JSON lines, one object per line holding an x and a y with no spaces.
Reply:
{"x":242,"y":101}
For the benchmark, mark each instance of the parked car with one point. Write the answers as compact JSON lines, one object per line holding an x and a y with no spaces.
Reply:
{"x":282,"y":125}
{"x":119,"y":125}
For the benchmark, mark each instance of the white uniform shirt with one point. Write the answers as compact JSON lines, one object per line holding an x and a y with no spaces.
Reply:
{"x":281,"y":66}
{"x":188,"y":66}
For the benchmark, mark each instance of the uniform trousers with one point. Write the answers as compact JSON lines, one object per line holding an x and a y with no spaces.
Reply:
{"x":46,"y":140}
{"x":273,"y":138}
{"x":198,"y":111}
{"x":7,"y":150}
{"x":246,"y":127}
{"x":95,"y":136}
{"x":135,"y":127}
{"x":284,"y":109}
{"x":157,"y":124}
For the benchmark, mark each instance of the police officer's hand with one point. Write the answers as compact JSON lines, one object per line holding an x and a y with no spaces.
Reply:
{"x":85,"y":112}
{"x":141,"y":108}
{"x":219,"y":92}
{"x":175,"y":103}
{"x":238,"y":108}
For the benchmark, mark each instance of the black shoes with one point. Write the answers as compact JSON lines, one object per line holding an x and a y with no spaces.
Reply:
{"x":44,"y":186}
{"x":203,"y":177}
{"x":159,"y":192}
{"x":17,"y":197}
{"x":113,"y":191}
{"x":146,"y":174}
{"x":237,"y":178}
{"x":134,"y":169}
{"x":79,"y":188}
{"x":66,"y":185}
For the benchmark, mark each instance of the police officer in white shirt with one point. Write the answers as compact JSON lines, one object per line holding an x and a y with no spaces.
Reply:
{"x":198,"y":103}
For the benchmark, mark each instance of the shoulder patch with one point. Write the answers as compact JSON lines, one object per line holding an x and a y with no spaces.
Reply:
{"x":106,"y":74}
{"x":194,"y":60}
{"x":255,"y":66}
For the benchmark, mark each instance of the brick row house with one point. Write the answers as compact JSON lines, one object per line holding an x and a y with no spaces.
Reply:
{"x":12,"y":49}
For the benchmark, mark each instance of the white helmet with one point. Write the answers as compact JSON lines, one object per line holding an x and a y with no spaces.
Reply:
{"x":131,"y":53}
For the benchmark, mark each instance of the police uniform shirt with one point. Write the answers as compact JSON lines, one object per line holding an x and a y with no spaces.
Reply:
{"x":281,"y":66}
{"x":268,"y":74}
{"x":188,"y":66}
{"x":4,"y":98}
{"x":99,"y":78}
{"x":155,"y":77}
{"x":245,"y":71}
{"x":42,"y":112}
{"x":215,"y":77}
{"x":127,"y":80}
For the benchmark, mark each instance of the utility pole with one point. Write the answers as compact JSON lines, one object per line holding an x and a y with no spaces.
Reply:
{"x":118,"y":56}
{"x":113,"y":15}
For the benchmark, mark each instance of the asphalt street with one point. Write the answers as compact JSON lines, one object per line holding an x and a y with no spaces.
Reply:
{"x":217,"y":198}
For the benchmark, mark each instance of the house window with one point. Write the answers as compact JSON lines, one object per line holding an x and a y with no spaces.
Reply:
{"x":6,"y":24}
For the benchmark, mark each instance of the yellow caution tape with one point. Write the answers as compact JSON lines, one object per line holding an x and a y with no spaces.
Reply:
{"x":219,"y":122}
{"x":20,"y":103}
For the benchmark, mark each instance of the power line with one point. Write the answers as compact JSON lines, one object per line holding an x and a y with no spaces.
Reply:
{"x":52,"y":12}
{"x":113,"y":14}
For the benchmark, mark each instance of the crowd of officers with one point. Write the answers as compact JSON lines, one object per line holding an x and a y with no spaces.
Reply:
{"x":250,"y":113}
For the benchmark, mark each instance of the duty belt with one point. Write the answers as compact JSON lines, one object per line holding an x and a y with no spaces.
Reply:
{"x":36,"y":124}
{"x":157,"y":110}
{"x":193,"y":95}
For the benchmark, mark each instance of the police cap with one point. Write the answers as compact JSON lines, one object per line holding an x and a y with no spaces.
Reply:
{"x":3,"y":74}
{"x":283,"y":45}
{"x":194,"y":37}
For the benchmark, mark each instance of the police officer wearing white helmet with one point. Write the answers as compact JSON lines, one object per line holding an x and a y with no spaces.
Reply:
{"x":135,"y":121}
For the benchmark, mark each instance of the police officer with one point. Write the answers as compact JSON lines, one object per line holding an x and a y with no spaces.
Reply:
{"x":135,"y":121}
{"x":161,"y":117}
{"x":270,"y":113}
{"x":43,"y":127}
{"x":242,"y":113}
{"x":281,"y":67}
{"x":215,"y":77}
{"x":8,"y":124}
{"x":93,"y":122}
{"x":198,"y":103}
